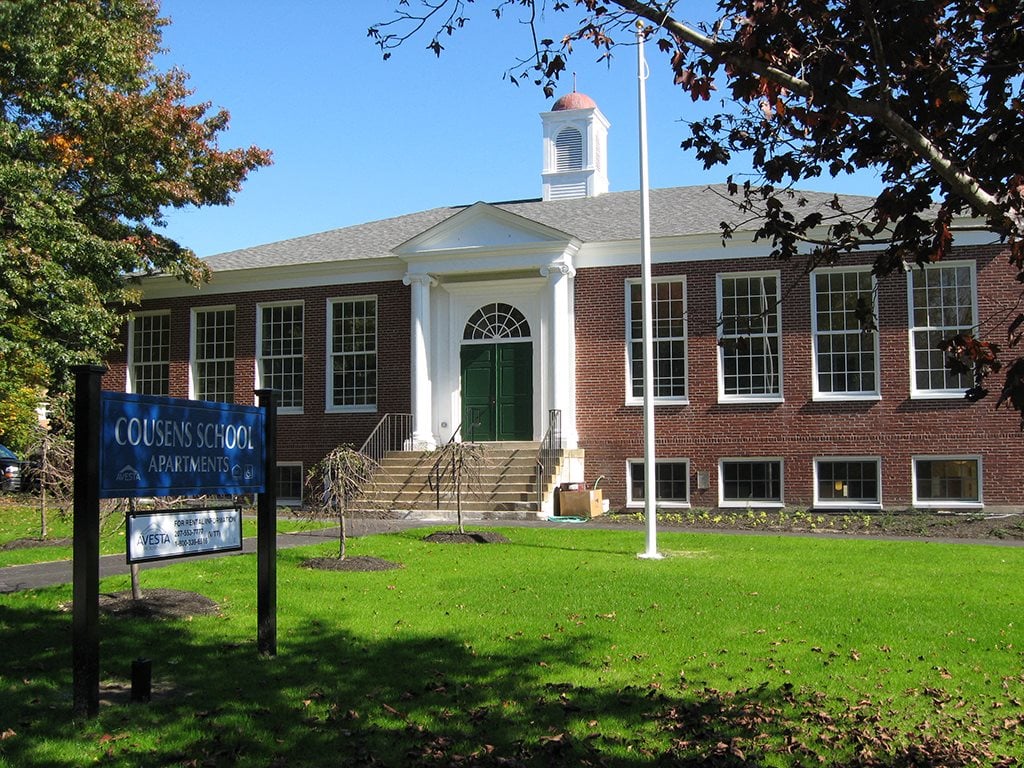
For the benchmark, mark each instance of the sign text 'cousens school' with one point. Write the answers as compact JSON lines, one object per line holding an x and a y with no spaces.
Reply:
{"x":155,"y":446}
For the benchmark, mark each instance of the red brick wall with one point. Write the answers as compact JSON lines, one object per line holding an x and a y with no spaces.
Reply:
{"x":798,"y":430}
{"x":305,"y":437}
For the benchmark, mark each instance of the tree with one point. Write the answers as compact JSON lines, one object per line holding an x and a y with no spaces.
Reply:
{"x":95,"y":145}
{"x":22,"y":381}
{"x":460,"y":465}
{"x":54,"y":475}
{"x":335,"y":481}
{"x":930,"y":95}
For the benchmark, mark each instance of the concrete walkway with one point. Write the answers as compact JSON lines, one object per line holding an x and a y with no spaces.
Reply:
{"x":35,"y":575}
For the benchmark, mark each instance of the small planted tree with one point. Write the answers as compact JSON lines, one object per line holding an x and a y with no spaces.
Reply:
{"x":460,"y":464}
{"x":339,"y":478}
{"x":53,"y":476}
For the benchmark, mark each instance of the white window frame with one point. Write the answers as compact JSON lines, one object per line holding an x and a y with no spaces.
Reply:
{"x":632,"y":399}
{"x":287,"y":500}
{"x":852,"y":503}
{"x":569,"y":146}
{"x":771,"y":397}
{"x":194,"y":362}
{"x":944,"y":331}
{"x":131,"y":380}
{"x":660,"y":503}
{"x":817,"y":335}
{"x":331,"y":407}
{"x":260,"y":359}
{"x":756,"y":503}
{"x":948,"y":503}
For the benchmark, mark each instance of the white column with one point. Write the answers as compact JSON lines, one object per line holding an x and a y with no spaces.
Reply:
{"x":422,"y":396}
{"x":560,"y":381}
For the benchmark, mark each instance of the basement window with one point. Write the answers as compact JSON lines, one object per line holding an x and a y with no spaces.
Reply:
{"x":671,"y":483}
{"x":848,"y":482}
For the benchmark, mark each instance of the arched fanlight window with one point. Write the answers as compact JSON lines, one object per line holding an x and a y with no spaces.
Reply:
{"x":496,"y":321}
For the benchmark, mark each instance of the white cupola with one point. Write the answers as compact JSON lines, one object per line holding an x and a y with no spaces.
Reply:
{"x":575,"y":149}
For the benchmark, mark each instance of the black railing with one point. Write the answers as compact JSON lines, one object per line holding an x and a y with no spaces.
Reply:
{"x":549,"y":452}
{"x":436,"y":477}
{"x":476,"y":418}
{"x":392,"y":433}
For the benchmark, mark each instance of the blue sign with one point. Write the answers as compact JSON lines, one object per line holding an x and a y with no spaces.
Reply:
{"x":162,"y":446}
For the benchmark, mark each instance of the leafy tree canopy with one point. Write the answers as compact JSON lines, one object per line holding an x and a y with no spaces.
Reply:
{"x":95,"y":144}
{"x":928,"y":94}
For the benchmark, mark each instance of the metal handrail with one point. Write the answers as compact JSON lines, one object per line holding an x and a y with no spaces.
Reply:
{"x":547,"y":453}
{"x":434,"y":478}
{"x":392,"y":433}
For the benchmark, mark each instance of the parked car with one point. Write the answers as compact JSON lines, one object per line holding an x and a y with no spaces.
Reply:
{"x":12,"y":468}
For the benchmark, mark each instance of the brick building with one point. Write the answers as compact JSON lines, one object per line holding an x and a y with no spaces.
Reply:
{"x":482,"y":320}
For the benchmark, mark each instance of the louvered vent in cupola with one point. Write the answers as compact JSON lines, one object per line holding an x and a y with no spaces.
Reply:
{"x":569,"y":150}
{"x":568,"y":191}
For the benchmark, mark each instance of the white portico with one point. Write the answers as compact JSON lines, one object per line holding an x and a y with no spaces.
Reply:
{"x":492,"y":328}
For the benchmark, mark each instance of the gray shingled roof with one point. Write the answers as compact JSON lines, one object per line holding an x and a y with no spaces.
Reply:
{"x":676,"y":211}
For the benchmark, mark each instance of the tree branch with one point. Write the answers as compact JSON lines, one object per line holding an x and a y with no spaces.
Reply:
{"x":965,"y":185}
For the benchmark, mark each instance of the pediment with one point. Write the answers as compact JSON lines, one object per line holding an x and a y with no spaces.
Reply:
{"x":483,"y":227}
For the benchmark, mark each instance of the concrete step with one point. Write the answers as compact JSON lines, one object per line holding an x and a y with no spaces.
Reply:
{"x":505,"y":483}
{"x":469,"y":517}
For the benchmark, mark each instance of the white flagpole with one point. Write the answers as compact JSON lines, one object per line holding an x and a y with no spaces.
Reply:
{"x":650,"y":506}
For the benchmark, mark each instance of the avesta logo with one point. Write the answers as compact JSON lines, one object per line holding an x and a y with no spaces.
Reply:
{"x":128,"y":474}
{"x":153,"y":536}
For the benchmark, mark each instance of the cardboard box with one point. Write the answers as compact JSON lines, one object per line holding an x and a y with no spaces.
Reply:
{"x":580,"y":503}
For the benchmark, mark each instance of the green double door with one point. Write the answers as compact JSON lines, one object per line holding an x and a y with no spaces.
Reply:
{"x":497,"y":391}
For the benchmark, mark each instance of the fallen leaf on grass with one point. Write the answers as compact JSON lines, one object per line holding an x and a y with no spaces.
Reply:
{"x":558,"y":738}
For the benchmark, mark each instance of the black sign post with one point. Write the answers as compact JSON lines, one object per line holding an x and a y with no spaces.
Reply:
{"x":266,"y":533}
{"x":129,"y":445}
{"x":85,"y":636}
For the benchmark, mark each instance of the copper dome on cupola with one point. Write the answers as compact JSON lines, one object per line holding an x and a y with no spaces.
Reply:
{"x":574,"y":100}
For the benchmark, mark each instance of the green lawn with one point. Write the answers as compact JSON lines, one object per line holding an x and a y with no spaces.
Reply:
{"x":559,"y":648}
{"x":20,"y":520}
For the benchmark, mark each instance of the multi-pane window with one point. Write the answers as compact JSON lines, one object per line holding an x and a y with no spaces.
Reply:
{"x":213,"y":354}
{"x":668,"y":320}
{"x":671,"y":482}
{"x":942,"y":305}
{"x":353,"y":354}
{"x":289,"y":483}
{"x":750,"y":363}
{"x":847,"y":482}
{"x":751,"y":481}
{"x":280,"y":342}
{"x":947,"y":480}
{"x":845,"y":337}
{"x":150,"y":366}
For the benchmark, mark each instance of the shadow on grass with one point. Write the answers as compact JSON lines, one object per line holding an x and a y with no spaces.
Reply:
{"x":330,"y":698}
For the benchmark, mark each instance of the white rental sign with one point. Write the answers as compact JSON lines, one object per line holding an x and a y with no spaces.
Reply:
{"x":183,"y":532}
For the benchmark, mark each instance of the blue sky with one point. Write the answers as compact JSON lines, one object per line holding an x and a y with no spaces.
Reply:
{"x":356,"y":138}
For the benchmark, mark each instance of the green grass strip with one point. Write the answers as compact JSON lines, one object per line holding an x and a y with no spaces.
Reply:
{"x":559,"y":648}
